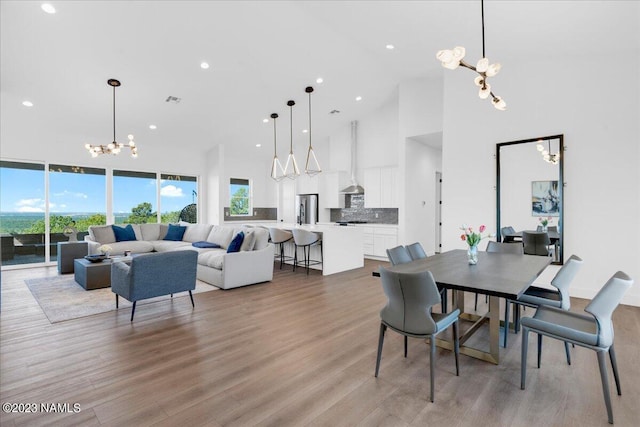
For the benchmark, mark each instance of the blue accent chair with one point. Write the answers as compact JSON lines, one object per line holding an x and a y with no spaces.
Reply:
{"x":154,"y":274}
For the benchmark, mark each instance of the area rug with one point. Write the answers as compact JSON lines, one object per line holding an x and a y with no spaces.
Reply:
{"x":61,"y":298}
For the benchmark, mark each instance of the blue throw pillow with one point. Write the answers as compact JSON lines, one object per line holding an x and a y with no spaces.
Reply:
{"x":124,"y":234}
{"x":175,"y":233}
{"x":235,"y":244}
{"x":204,"y":244}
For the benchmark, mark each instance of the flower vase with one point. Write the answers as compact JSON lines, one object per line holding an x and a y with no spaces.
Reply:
{"x":472,"y":254}
{"x":545,"y":228}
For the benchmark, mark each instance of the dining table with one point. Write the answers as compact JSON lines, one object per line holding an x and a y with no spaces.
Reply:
{"x":497,"y":275}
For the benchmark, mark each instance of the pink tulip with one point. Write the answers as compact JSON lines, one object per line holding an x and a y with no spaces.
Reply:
{"x":482,"y":228}
{"x":463,"y":237}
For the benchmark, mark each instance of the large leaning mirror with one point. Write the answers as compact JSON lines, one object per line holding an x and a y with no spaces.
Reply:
{"x":529,"y":185}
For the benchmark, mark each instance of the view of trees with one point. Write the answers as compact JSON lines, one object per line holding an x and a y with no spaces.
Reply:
{"x":240,"y":202}
{"x":140,"y":214}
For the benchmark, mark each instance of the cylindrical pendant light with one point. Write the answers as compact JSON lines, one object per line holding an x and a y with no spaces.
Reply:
{"x":291,"y":170}
{"x":277,"y":173}
{"x":312,"y":167}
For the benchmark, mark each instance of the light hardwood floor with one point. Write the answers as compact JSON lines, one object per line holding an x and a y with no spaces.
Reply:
{"x":297,"y":351}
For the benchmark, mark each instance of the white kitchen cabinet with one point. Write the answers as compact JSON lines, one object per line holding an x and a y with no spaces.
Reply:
{"x":330,"y":185}
{"x":381,"y":187}
{"x":377,"y":239}
{"x":306,"y":184}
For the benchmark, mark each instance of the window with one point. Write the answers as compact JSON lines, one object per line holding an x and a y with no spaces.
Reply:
{"x":240,"y":197}
{"x":178,"y":198}
{"x":134,"y":197}
{"x":22,"y":212}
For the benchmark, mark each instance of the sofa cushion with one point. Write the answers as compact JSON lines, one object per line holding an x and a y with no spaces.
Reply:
{"x":213,"y":258}
{"x":249,"y":240}
{"x":221,"y":236}
{"x":124,"y":234}
{"x":236,"y":243}
{"x":261,"y":238}
{"x":203,"y":244}
{"x":175,"y":233}
{"x":135,"y":246}
{"x":196,"y":232}
{"x":153,"y":231}
{"x":170,"y":245}
{"x":102,"y":234}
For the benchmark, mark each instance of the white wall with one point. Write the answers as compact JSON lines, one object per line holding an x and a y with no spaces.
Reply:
{"x":596,"y":106}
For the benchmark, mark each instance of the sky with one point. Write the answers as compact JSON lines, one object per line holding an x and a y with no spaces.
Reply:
{"x":22,"y":190}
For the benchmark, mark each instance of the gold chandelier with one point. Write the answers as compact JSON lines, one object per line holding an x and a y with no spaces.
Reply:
{"x":113,"y":147}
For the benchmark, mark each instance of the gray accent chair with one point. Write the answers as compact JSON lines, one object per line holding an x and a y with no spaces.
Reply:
{"x":279,"y":237}
{"x":410,"y":298}
{"x":593,"y":331}
{"x":536,"y":243}
{"x":510,"y":239}
{"x":399,"y":255}
{"x":416,"y":251}
{"x":155,"y":274}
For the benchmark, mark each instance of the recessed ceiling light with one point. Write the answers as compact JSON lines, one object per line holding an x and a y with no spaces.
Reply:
{"x":305,"y":131}
{"x":265,"y":120}
{"x":258,"y":145}
{"x":48,"y":8}
{"x":390,"y":46}
{"x":153,"y":127}
{"x":319,"y":80}
{"x":358,"y":98}
{"x":27,"y":103}
{"x":204,"y":65}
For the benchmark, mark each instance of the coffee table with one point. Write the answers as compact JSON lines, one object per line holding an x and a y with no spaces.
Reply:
{"x":94,"y":275}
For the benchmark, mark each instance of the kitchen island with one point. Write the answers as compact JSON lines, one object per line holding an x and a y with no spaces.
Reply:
{"x":342,"y":246}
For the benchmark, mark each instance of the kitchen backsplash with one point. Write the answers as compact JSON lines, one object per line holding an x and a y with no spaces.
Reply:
{"x":355,"y":211}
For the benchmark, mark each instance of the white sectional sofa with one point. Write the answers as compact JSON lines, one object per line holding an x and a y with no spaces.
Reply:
{"x":252,"y":264}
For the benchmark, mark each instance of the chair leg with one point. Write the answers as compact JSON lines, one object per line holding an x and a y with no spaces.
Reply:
{"x":539,"y":349}
{"x":432,"y":362}
{"x":614,"y":367}
{"x":523,"y":359}
{"x":406,"y":341}
{"x":191,"y":296}
{"x":566,"y":350}
{"x":295,"y":257}
{"x":307,"y":255}
{"x":116,"y":301}
{"x":602,"y":364}
{"x":475,"y":305}
{"x":456,"y":346}
{"x":383,"y":328}
{"x":133,"y":310}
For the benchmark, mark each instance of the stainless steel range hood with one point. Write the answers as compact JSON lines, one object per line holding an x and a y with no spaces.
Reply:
{"x":354,"y":188}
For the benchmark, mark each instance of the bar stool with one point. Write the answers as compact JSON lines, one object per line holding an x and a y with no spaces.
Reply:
{"x":280,"y":237}
{"x":306,"y":239}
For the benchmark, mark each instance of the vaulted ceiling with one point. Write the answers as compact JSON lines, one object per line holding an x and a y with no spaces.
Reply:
{"x":261,"y":54}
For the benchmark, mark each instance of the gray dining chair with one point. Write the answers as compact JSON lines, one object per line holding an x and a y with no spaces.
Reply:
{"x":416,"y":251}
{"x":410,"y":299}
{"x":399,"y":255}
{"x":536,"y":296}
{"x":505,"y":231}
{"x":536,"y":242}
{"x":504,"y":248}
{"x":593,"y":331}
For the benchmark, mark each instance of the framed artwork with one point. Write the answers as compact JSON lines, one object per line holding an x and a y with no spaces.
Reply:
{"x":544,"y":198}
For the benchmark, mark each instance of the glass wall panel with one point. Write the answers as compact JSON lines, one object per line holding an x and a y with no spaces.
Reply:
{"x":77,"y":199}
{"x":22,"y":212}
{"x":134,"y":197}
{"x":178,"y":198}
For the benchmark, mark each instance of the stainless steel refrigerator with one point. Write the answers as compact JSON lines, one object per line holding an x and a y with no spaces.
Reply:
{"x":307,"y":208}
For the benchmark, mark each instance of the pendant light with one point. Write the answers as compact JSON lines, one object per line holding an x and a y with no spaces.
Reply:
{"x":113,"y":147}
{"x":312,"y":167}
{"x":277,"y":173}
{"x":451,"y":59}
{"x":291,"y":170}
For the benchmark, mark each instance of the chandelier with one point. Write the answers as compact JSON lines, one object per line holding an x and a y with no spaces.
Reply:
{"x":113,"y":147}
{"x":312,"y":167}
{"x":277,"y":173}
{"x":451,"y":59}
{"x":291,"y":170}
{"x":547,"y":155}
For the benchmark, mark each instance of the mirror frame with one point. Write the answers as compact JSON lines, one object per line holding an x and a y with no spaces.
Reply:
{"x":561,"y":185}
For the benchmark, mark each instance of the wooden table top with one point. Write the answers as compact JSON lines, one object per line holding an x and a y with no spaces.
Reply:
{"x":497,"y":274}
